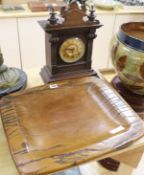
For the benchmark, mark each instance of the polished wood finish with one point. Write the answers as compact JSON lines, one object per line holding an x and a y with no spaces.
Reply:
{"x":130,"y":158}
{"x":76,"y":24}
{"x":48,"y":77}
{"x":7,"y":165}
{"x":110,"y":164}
{"x":60,"y":125}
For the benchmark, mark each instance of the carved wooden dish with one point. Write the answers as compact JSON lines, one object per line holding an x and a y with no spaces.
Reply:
{"x":57,"y":126}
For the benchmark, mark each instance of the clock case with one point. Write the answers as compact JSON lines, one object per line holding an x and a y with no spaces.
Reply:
{"x":76,"y":24}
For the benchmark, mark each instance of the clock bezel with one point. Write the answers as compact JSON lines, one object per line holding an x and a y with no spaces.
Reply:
{"x":73,"y":40}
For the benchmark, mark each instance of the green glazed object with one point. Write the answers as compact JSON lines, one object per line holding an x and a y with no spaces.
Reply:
{"x":11,"y":79}
{"x":8,"y":76}
{"x":127,"y":53}
{"x":129,"y":64}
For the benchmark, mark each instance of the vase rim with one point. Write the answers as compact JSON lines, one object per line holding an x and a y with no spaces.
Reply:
{"x":129,"y":34}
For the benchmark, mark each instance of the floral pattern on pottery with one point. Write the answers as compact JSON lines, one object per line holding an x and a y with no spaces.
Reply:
{"x":121,"y":63}
{"x":129,"y":64}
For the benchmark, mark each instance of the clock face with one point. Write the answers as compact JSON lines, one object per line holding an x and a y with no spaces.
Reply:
{"x":72,"y":50}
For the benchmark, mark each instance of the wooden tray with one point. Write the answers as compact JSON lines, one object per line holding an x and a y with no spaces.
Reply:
{"x":57,"y":126}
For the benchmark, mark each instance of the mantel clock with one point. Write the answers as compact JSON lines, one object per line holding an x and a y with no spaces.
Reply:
{"x":68,"y":40}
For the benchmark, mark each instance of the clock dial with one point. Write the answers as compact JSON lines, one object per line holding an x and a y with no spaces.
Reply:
{"x":72,"y":50}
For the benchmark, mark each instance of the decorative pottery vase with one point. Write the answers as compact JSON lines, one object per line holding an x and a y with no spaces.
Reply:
{"x":127,"y":55}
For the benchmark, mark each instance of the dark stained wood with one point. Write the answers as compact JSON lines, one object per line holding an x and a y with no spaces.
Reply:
{"x":73,"y":15}
{"x":74,"y":26}
{"x":110,"y":164}
{"x":51,"y":78}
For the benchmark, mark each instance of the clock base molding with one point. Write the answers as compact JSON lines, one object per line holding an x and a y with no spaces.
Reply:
{"x":48,"y":77}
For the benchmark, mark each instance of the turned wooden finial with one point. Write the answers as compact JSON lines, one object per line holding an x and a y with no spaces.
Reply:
{"x":53,"y":19}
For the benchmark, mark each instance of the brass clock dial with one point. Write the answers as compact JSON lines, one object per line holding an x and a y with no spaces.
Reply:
{"x":72,"y":50}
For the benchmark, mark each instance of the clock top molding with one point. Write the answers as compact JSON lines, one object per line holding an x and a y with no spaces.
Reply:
{"x":71,"y":16}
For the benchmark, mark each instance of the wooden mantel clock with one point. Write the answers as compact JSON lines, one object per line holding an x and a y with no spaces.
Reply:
{"x":69,"y":39}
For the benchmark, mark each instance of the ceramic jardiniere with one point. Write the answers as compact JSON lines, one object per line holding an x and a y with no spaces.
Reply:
{"x":128,"y":56}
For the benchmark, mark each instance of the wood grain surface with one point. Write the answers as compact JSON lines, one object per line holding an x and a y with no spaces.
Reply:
{"x":7,"y":166}
{"x":61,"y":125}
